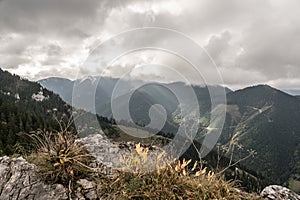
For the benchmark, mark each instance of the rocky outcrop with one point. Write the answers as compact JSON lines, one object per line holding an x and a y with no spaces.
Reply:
{"x":273,"y":192}
{"x":18,"y":180}
{"x":105,"y":151}
{"x":108,"y":153}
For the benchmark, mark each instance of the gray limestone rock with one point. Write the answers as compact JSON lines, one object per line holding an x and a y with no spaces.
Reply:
{"x":273,"y":192}
{"x":18,"y":180}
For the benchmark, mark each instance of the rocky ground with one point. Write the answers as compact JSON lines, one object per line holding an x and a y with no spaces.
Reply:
{"x":108,"y":153}
{"x":19,"y":179}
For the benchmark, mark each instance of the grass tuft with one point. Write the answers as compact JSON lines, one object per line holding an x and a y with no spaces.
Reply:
{"x":59,"y":157}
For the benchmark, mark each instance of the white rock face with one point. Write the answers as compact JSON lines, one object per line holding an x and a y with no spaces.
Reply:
{"x":39,"y":96}
{"x":278,"y":192}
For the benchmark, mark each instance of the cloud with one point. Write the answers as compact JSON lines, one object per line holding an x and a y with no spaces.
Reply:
{"x":271,"y":48}
{"x":218,"y":45}
{"x":251,"y":41}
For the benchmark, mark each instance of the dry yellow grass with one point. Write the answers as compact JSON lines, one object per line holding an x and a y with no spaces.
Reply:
{"x":175,"y":181}
{"x":59,"y":157}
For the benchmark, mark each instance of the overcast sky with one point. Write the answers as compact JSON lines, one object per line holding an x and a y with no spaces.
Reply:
{"x":251,"y":41}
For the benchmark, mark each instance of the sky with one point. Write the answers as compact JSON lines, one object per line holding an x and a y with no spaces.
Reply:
{"x":250,"y":42}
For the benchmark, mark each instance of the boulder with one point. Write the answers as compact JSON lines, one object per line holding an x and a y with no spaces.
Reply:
{"x":273,"y":192}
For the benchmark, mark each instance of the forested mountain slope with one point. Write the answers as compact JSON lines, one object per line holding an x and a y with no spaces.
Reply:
{"x":24,"y":107}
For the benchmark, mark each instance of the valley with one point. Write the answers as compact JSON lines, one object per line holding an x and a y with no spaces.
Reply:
{"x":258,"y":118}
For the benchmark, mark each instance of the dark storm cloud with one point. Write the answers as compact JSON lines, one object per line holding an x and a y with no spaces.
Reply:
{"x":55,"y":18}
{"x":53,"y":28}
{"x":257,"y":40}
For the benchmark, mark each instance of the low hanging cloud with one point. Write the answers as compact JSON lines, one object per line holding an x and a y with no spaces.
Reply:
{"x":251,"y":41}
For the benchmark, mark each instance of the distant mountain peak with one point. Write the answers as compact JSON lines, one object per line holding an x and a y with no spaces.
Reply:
{"x":259,"y":86}
{"x":262,"y":89}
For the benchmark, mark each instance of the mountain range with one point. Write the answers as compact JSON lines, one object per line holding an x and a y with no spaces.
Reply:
{"x":141,"y":98}
{"x":260,"y":117}
{"x":267,"y":120}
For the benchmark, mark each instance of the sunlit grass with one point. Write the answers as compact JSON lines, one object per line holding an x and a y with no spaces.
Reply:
{"x":173,"y":181}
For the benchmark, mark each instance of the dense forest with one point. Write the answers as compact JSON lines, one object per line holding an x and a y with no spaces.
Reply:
{"x":25,"y":107}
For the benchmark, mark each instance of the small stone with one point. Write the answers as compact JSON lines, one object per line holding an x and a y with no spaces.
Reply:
{"x":92,"y":195}
{"x":86,"y":184}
